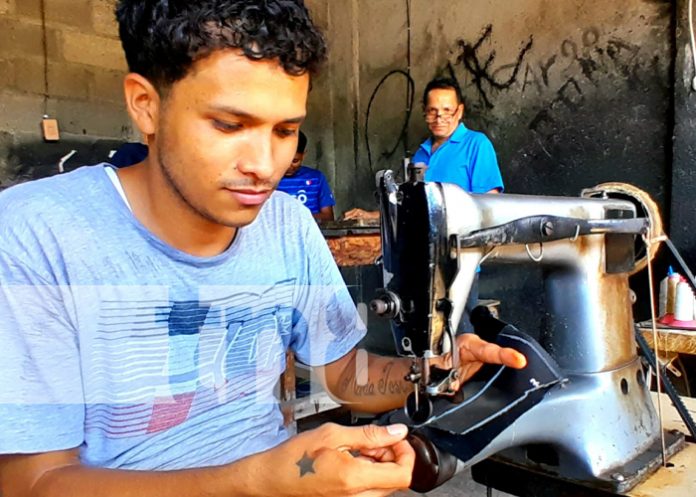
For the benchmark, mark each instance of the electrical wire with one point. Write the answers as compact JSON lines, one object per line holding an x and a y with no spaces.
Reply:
{"x":407,"y":118}
{"x":693,"y":41}
{"x":44,"y":42}
{"x":656,"y":348}
{"x":410,"y":95}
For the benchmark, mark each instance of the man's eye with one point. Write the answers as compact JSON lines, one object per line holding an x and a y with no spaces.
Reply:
{"x":286,"y":132}
{"x":226,"y":127}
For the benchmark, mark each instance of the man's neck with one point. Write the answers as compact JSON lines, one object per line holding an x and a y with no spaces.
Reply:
{"x":167,"y":216}
{"x":437,"y":143}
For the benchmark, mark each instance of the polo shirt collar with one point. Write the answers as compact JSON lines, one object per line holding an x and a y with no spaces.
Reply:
{"x":456,"y":137}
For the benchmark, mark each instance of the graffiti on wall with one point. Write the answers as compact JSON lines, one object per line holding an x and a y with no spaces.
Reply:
{"x":559,"y":80}
{"x":482,"y":68}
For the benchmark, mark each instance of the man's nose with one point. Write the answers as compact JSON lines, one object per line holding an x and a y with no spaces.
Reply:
{"x":257,"y":157}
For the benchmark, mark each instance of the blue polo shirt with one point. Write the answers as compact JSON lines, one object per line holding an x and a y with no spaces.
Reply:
{"x":310,"y":187}
{"x":466,"y":159}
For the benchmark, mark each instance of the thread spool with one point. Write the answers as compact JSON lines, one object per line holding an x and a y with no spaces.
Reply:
{"x":684,"y":302}
{"x":672,"y":282}
{"x":662,"y":300}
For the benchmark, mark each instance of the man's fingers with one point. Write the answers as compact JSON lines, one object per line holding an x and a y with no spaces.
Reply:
{"x":362,"y":437}
{"x":473,"y":348}
{"x":512,"y":358}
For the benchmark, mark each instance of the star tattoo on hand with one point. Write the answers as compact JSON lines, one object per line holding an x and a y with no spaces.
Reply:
{"x":306,"y":465}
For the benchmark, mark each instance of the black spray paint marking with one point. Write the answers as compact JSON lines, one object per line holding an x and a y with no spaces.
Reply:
{"x":481,"y":70}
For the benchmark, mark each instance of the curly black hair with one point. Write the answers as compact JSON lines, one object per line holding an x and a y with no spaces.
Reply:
{"x":163,"y":38}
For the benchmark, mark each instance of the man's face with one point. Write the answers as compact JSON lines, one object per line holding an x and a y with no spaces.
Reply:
{"x":227,"y":133}
{"x":296,"y":164}
{"x":442,"y":113}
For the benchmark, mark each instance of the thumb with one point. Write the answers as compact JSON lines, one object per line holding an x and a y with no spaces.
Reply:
{"x":373,"y":436}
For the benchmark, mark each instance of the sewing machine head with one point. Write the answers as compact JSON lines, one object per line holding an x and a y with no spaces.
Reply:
{"x":435,"y":236}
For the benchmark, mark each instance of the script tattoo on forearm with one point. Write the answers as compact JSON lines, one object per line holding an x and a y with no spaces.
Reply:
{"x":387,"y":384}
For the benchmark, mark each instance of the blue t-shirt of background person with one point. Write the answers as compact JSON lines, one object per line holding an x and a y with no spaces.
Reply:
{"x":466,"y":159}
{"x":310,"y":187}
{"x":129,"y":154}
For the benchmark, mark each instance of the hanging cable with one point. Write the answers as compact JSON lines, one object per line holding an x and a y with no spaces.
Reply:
{"x":693,"y":42}
{"x":44,"y":42}
{"x":407,"y":117}
{"x":410,"y":94}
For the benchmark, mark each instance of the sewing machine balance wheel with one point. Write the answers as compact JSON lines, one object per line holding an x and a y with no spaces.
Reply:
{"x":645,"y":207}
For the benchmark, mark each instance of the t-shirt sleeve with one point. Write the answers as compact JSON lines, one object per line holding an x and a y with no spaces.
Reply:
{"x":485,"y":173}
{"x":326,"y":325}
{"x":41,"y":396}
{"x":326,"y":198}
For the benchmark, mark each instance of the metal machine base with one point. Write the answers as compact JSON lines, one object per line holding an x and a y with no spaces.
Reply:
{"x":537,"y":480}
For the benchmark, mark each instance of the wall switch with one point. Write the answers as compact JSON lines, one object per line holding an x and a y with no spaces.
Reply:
{"x":50,"y":129}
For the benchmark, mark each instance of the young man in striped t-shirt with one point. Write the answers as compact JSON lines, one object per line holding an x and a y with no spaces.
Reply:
{"x":308,"y":185}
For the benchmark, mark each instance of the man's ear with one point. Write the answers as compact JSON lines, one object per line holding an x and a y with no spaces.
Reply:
{"x":460,"y":110}
{"x":143,"y":102}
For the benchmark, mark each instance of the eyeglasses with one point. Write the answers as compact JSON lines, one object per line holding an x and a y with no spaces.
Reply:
{"x":445,"y":115}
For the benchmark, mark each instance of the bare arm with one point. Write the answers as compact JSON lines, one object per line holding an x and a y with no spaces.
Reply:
{"x":61,"y":473}
{"x":325,"y":214}
{"x":368,"y":382}
{"x":371,"y":383}
{"x":303,"y":466}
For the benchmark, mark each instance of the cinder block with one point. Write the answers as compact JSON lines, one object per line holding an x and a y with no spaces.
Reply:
{"x":20,"y":112}
{"x":64,"y":79}
{"x":104,"y":18}
{"x":7,"y":75}
{"x":69,"y":12}
{"x":29,"y":75}
{"x":94,"y":119}
{"x":26,"y":38}
{"x":93,"y":50}
{"x":7,"y":6}
{"x":68,"y":80}
{"x":107,"y":86}
{"x":29,"y":8}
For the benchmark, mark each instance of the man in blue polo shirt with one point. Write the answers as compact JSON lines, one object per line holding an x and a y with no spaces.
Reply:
{"x":308,"y":185}
{"x":453,"y":153}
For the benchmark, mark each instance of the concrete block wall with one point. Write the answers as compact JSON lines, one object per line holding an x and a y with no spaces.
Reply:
{"x":79,"y":83}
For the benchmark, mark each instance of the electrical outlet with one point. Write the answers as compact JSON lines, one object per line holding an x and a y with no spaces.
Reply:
{"x":50,"y":130}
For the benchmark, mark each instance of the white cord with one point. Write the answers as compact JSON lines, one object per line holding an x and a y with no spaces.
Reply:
{"x":693,"y":42}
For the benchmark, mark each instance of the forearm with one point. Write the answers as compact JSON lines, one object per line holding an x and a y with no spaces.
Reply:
{"x":372,"y":383}
{"x":240,"y":479}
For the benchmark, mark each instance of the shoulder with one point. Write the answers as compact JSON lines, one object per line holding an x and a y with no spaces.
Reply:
{"x":477,"y":138}
{"x":39,"y":196}
{"x":38,"y":209}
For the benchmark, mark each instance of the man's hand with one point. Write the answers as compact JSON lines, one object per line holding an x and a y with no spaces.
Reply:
{"x":474,"y":352}
{"x":333,"y":460}
{"x":360,"y":214}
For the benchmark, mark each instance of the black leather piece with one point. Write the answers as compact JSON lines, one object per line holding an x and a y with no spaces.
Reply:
{"x":433,"y":467}
{"x":493,"y":400}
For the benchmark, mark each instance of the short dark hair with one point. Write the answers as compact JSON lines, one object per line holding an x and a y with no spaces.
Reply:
{"x":443,"y":84}
{"x":162,"y":39}
{"x":301,"y":143}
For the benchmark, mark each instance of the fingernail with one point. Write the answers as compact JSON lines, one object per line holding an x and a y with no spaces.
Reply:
{"x":397,"y":430}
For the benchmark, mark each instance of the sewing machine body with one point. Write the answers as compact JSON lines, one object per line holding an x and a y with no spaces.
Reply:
{"x":596,"y":417}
